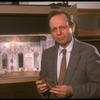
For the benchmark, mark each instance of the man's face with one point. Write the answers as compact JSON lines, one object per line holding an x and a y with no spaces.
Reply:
{"x":61,"y":30}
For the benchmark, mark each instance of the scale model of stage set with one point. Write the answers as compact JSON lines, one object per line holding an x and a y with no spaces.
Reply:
{"x":23,"y":53}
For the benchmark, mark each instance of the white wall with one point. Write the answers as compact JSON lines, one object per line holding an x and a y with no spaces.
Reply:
{"x":39,"y":3}
{"x":80,"y":4}
{"x":91,"y":5}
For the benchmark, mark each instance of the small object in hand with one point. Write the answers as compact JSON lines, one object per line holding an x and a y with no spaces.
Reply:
{"x":48,"y":82}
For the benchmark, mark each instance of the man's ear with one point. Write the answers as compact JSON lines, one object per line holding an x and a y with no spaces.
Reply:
{"x":73,"y":28}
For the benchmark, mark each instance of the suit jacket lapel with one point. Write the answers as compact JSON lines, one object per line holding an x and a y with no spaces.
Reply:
{"x":54,"y":59}
{"x":74,"y":59}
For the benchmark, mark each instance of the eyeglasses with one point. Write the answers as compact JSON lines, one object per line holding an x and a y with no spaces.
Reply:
{"x":61,"y":28}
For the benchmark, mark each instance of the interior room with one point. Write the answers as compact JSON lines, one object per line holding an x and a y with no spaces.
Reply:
{"x":24,"y":34}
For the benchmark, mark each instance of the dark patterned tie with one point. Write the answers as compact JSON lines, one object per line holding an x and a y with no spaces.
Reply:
{"x":62,"y":68}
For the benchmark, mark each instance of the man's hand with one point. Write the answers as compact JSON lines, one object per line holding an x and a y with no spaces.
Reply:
{"x":41,"y":86}
{"x":63,"y":91}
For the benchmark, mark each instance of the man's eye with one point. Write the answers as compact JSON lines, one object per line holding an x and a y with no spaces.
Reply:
{"x":53,"y":30}
{"x":63,"y":27}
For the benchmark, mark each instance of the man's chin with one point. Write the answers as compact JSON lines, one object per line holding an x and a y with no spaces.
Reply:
{"x":63,"y":44}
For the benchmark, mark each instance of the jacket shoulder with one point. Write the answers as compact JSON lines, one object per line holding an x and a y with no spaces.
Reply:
{"x":51,"y":50}
{"x":86,"y":46}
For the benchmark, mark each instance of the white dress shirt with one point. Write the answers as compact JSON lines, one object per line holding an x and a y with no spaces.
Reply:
{"x":68,"y":53}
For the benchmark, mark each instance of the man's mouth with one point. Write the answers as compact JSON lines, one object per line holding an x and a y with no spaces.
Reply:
{"x":60,"y":38}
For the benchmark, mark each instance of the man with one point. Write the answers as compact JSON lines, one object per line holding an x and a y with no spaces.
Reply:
{"x":82,"y":78}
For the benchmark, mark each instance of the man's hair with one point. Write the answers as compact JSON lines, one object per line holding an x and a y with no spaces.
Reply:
{"x":57,"y":12}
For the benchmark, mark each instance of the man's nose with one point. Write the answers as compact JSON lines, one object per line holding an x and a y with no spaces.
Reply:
{"x":58,"y":31}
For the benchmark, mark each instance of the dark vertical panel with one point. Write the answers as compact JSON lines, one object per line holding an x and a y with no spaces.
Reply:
{"x":4,"y":60}
{"x":20,"y":59}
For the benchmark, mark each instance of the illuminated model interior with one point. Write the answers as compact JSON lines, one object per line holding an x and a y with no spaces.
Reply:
{"x":23,"y":52}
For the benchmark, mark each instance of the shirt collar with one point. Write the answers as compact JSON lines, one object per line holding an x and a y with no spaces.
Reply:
{"x":68,"y":48}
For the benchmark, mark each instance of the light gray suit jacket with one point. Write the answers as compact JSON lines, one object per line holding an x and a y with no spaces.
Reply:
{"x":83,"y":72}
